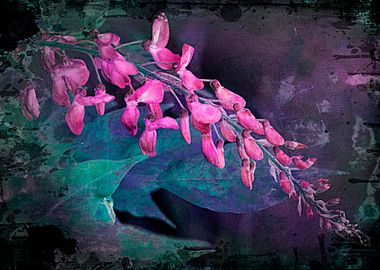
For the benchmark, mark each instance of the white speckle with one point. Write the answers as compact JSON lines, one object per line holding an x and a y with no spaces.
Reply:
{"x":286,"y":92}
{"x":324,"y":106}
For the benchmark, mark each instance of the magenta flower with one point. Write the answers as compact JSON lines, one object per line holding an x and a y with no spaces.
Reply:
{"x":29,"y":103}
{"x":147,"y":142}
{"x":292,"y":145}
{"x":163,"y":57}
{"x":285,"y":183}
{"x":100,"y":92}
{"x":48,"y":58}
{"x":212,"y":154}
{"x":227,"y":97}
{"x":245,"y":173}
{"x":281,"y":157}
{"x":75,"y":115}
{"x":309,"y":210}
{"x":112,"y":64}
{"x":130,"y":117}
{"x":251,"y":147}
{"x":204,"y":113}
{"x":105,"y":42}
{"x":303,"y":165}
{"x":227,"y":131}
{"x":248,"y":120}
{"x":201,"y":127}
{"x":70,"y":75}
{"x":184,"y":125}
{"x":240,"y":148}
{"x":272,"y":135}
{"x":151,"y":91}
{"x":148,"y":139}
{"x":155,"y":109}
{"x":188,"y":79}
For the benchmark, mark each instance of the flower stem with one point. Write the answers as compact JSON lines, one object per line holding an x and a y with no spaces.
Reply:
{"x":96,"y":69}
{"x":129,"y":43}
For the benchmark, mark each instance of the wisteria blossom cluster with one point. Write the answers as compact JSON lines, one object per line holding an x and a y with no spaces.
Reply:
{"x":225,"y":115}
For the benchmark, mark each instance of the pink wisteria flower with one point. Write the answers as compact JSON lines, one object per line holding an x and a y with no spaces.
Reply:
{"x":148,"y":138}
{"x":150,"y":93}
{"x":49,"y":54}
{"x":75,"y":114}
{"x":114,"y":67}
{"x":29,"y":103}
{"x":163,"y":57}
{"x":227,"y":97}
{"x":70,"y":75}
{"x":188,"y":79}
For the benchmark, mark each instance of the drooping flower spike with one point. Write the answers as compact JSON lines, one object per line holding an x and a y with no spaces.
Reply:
{"x":240,"y":126}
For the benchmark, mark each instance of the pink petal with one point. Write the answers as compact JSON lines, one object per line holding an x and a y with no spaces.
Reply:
{"x":190,"y":81}
{"x":160,"y":32}
{"x":303,"y":165}
{"x":272,"y":135}
{"x":309,"y":211}
{"x":223,"y":94}
{"x":48,"y":58}
{"x":107,"y":39}
{"x":227,"y":131}
{"x":220,"y":151}
{"x":130,"y":117}
{"x":292,"y":145}
{"x":155,"y":109}
{"x":124,"y":67}
{"x":164,"y":58}
{"x":305,"y":184}
{"x":100,"y":92}
{"x":147,"y":142}
{"x":205,"y":113}
{"x":240,"y":148}
{"x":165,"y":122}
{"x":285,"y":183}
{"x":201,"y":127}
{"x":209,"y":150}
{"x":29,"y":103}
{"x":75,"y":73}
{"x":245,"y":173}
{"x":184,"y":126}
{"x":187,"y":55}
{"x":108,"y":52}
{"x":251,"y":147}
{"x":74,"y":118}
{"x":59,"y":92}
{"x":151,"y":92}
{"x":119,"y":79}
{"x":281,"y":157}
{"x":248,"y":121}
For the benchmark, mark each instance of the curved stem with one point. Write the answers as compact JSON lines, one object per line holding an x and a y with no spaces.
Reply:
{"x":96,"y":69}
{"x":129,"y":43}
